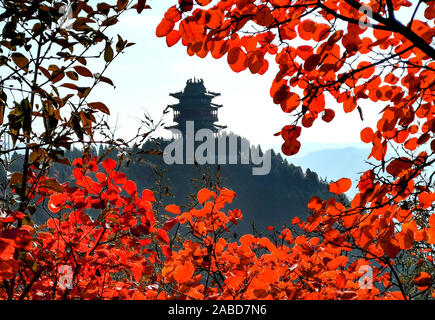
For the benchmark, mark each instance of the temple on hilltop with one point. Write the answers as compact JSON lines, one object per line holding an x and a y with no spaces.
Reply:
{"x":195,"y":104}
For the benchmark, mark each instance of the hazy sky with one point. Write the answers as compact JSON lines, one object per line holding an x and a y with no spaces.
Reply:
{"x":148,"y":71}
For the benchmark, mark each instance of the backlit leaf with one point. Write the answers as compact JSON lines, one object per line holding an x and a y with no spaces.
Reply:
{"x":340,"y":186}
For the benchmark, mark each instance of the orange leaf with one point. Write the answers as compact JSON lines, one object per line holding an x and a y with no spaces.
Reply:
{"x":291,"y":103}
{"x":203,"y":2}
{"x":236,"y":59}
{"x":367,"y":135}
{"x":411,"y":144}
{"x":296,"y":220}
{"x":368,"y":71}
{"x":349,"y":104}
{"x":137,"y":270}
{"x":304,"y":51}
{"x":340,"y":186}
{"x":426,"y":199}
{"x":205,"y":194}
{"x":340,"y":280}
{"x":172,"y":38}
{"x":164,"y":27}
{"x":306,"y":29}
{"x":172,"y":208}
{"x":183,"y":273}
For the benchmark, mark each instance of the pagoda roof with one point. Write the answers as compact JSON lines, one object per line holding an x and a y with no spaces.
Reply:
{"x":194,"y":88}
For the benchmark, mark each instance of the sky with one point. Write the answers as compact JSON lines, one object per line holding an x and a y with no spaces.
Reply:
{"x":148,"y":71}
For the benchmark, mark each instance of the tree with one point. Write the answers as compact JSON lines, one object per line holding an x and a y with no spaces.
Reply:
{"x":45,"y":108}
{"x":348,"y":51}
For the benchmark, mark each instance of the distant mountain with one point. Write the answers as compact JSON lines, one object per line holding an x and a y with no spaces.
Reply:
{"x":333,"y":164}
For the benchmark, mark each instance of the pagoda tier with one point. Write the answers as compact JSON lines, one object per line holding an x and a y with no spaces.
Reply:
{"x":195,"y":104}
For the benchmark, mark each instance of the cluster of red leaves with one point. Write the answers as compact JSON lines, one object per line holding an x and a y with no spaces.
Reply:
{"x":209,"y":266}
{"x":339,"y":61}
{"x":109,"y":255}
{"x":124,"y":254}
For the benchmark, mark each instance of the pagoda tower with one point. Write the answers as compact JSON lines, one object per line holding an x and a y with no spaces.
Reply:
{"x":195,"y":104}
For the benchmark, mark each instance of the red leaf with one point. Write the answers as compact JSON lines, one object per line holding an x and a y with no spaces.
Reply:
{"x":183,"y":273}
{"x":130,"y":188}
{"x":291,"y":103}
{"x":169,"y":224}
{"x":119,"y":178}
{"x":304,"y":51}
{"x":56,"y":201}
{"x":367,"y":135}
{"x":312,"y":62}
{"x":7,"y":250}
{"x":205,"y":194}
{"x":236,"y":59}
{"x":109,"y":165}
{"x":166,"y":251}
{"x":340,"y":186}
{"x":137,"y":270}
{"x":399,"y":165}
{"x":349,"y":104}
{"x":164,"y":27}
{"x":163,"y":236}
{"x":172,"y":38}
{"x":203,"y":2}
{"x":8,"y":269}
{"x":148,"y":195}
{"x":290,"y":148}
{"x":340,"y":281}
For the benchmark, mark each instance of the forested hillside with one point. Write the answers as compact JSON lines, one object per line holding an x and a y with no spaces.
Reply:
{"x":273,"y":199}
